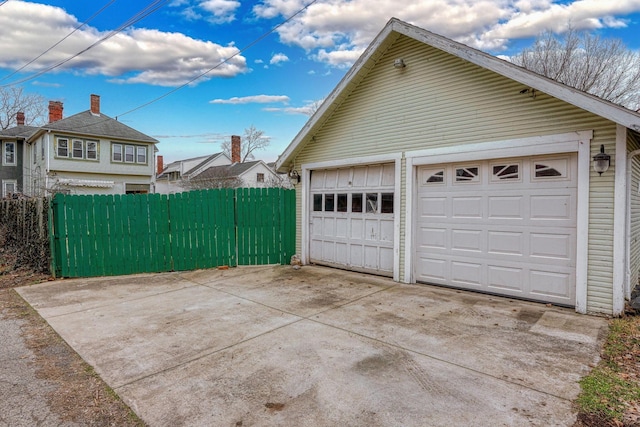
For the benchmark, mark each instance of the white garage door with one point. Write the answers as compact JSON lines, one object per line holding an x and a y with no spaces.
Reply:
{"x":351,"y":219}
{"x":500,"y":226}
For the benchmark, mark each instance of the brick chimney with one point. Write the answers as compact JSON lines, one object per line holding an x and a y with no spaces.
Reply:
{"x":55,"y":111}
{"x":95,"y":104}
{"x":159,"y":164}
{"x":20,"y":118}
{"x":235,"y":149}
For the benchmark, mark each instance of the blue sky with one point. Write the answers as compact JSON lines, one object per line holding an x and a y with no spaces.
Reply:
{"x":268,"y":82}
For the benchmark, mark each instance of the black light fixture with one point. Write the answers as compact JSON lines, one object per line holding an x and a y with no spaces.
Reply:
{"x":601,"y":161}
{"x":294,"y":177}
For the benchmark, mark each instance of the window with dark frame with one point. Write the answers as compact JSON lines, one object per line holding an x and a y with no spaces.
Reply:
{"x":260,"y":177}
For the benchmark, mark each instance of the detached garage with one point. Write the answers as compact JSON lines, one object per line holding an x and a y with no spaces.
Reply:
{"x":434,"y":163}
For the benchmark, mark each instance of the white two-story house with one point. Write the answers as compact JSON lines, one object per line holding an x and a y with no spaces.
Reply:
{"x":88,"y":153}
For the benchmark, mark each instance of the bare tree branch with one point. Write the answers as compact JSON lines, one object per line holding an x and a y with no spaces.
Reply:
{"x":252,"y":140}
{"x":14,"y":100}
{"x":600,"y":66}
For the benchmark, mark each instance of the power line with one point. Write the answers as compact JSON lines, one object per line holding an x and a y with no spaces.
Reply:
{"x":250,"y":45}
{"x":56,"y":44}
{"x":148,"y":10}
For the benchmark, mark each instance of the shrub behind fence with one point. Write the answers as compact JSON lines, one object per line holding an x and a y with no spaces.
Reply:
{"x":25,"y":227}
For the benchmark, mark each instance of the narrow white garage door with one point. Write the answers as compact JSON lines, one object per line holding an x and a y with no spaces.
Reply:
{"x":500,"y":226}
{"x":351,"y":220}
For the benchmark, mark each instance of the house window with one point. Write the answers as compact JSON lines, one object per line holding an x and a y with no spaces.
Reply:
{"x":35,"y":152}
{"x":141,"y":153}
{"x":63,"y":147}
{"x":92,"y":150}
{"x":9,"y":187}
{"x":116,"y":152}
{"x":78,"y":149}
{"x":9,"y":154}
{"x":129,"y":153}
{"x":260,"y":177}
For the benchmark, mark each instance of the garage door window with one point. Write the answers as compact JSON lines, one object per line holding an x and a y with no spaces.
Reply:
{"x":342,"y":203}
{"x":387,"y":203}
{"x":555,"y":168}
{"x":328,"y":202}
{"x":433,"y":176}
{"x":506,"y":172}
{"x":317,"y":202}
{"x":467,"y":174}
{"x":356,"y":203}
{"x":372,"y":202}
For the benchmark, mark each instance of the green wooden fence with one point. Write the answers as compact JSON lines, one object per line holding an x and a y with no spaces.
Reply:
{"x":142,"y":233}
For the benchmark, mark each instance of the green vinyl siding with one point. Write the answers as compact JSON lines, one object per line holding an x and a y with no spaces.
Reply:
{"x":439,"y":100}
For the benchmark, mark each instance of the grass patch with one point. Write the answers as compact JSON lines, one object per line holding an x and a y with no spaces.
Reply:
{"x":612,"y":389}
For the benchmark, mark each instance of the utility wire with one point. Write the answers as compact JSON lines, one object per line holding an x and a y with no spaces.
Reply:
{"x":148,"y":10}
{"x":250,"y":45}
{"x":56,"y":44}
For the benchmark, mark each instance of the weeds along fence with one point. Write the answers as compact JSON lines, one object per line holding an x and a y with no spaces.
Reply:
{"x":25,"y":231}
{"x":104,"y":235}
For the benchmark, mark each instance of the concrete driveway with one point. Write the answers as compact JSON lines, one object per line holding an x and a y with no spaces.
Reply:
{"x":272,"y":346}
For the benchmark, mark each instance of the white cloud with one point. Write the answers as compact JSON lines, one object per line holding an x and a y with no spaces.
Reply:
{"x":278,"y":58}
{"x":254,"y":99}
{"x":335,"y":32}
{"x":308,"y":109}
{"x":221,"y":10}
{"x":132,"y":56}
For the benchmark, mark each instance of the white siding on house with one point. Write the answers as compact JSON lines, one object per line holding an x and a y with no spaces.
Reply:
{"x":439,"y":100}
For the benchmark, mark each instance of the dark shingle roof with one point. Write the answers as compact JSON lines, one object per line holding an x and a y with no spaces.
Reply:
{"x":87,"y":123}
{"x":227,"y":171}
{"x":21,"y":131}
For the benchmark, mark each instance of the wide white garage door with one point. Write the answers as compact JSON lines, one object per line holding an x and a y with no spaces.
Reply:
{"x":500,"y":226}
{"x":351,"y":219}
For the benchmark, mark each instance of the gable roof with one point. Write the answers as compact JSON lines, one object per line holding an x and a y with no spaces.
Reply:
{"x":234,"y":170}
{"x":396,"y":28}
{"x":20,"y":131}
{"x":98,"y":125}
{"x":202,"y":161}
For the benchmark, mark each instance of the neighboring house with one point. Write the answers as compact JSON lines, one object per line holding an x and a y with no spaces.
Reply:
{"x":248,"y":174}
{"x":170,"y":179}
{"x":434,"y":162}
{"x":12,"y":149}
{"x":88,"y":153}
{"x":217,"y":171}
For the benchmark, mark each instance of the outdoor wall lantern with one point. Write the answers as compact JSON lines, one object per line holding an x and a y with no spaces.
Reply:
{"x":294,"y":177}
{"x":601,"y":161}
